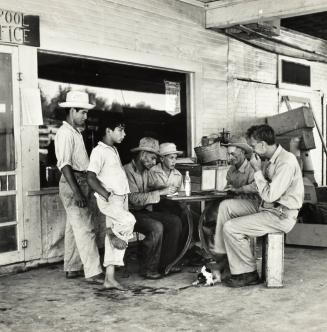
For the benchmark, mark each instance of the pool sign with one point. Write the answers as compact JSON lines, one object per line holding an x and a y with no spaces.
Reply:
{"x":18,"y":28}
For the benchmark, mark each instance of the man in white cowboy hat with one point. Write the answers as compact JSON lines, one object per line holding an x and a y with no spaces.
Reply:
{"x":240,"y":182}
{"x":80,"y":246}
{"x":162,"y":230}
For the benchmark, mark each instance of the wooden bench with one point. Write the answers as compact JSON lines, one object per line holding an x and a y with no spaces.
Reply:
{"x":273,"y":260}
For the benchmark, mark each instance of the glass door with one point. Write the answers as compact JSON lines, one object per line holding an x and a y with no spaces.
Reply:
{"x":11,"y":248}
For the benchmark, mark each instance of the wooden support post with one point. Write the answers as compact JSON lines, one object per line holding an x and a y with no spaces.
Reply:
{"x":273,"y":260}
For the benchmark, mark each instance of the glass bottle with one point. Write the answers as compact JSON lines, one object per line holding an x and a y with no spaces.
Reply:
{"x":187,"y":184}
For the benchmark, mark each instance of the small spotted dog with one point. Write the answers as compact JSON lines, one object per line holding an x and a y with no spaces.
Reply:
{"x":207,"y":278}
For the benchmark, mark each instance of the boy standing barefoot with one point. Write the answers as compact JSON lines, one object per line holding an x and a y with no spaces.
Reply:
{"x":107,"y":178}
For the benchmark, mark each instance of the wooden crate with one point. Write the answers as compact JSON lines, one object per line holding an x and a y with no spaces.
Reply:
{"x":273,"y":259}
{"x":211,"y":177}
{"x":307,"y":141}
{"x":298,"y":118}
{"x":311,"y":234}
{"x":308,"y":235}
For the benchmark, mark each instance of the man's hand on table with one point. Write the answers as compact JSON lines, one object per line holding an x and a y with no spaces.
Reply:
{"x":170,"y":190}
{"x":233,"y":189}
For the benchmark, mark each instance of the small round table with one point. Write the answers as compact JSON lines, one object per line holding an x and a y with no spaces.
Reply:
{"x":202,"y":197}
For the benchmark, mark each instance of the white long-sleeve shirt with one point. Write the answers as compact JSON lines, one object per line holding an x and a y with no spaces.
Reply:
{"x":281,"y":180}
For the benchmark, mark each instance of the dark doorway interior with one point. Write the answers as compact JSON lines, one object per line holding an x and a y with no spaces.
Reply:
{"x":142,"y":119}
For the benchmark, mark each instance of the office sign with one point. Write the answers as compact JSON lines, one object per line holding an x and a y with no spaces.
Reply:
{"x":18,"y":28}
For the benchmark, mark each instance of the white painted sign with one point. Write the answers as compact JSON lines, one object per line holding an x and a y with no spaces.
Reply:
{"x":173,"y":98}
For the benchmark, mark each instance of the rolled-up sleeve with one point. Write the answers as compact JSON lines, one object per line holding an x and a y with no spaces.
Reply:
{"x":251,"y":186}
{"x":64,"y":146}
{"x":96,"y":162}
{"x":138,"y":199}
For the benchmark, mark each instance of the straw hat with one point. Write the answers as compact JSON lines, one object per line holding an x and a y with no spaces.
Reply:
{"x":148,"y":144}
{"x":239,"y":142}
{"x":168,"y":148}
{"x":77,"y":99}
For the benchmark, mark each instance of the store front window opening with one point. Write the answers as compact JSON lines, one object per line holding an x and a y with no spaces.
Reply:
{"x":153,"y":102}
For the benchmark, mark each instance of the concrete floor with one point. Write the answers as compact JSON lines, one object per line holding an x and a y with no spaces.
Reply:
{"x":43,"y":300}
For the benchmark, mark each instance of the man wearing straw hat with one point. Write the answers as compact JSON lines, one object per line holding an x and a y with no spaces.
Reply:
{"x":80,"y":246}
{"x":162,"y":230}
{"x":240,"y":176}
{"x":165,"y":174}
{"x":240,"y":182}
{"x":281,"y":190}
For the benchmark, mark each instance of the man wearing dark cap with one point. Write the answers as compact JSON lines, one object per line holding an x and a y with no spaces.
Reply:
{"x":162,"y":230}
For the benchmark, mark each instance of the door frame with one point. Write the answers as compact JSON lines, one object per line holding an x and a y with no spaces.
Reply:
{"x":18,"y":255}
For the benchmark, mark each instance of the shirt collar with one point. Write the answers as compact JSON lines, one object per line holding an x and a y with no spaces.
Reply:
{"x":242,"y":168}
{"x":70,"y":127}
{"x":276,"y":154}
{"x":160,"y":169}
{"x":136,"y":170}
{"x":106,"y":145}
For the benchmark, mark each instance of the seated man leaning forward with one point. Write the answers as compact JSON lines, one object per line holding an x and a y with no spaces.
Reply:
{"x":162,"y":230}
{"x":240,"y":183}
{"x":106,"y":176}
{"x":281,"y":190}
{"x":240,"y":176}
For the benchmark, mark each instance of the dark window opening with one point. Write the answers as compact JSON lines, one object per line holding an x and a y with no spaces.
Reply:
{"x":296,"y":73}
{"x":139,"y":92}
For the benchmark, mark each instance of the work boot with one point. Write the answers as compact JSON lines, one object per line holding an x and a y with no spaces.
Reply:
{"x":244,"y":279}
{"x":74,"y":274}
{"x":97,"y":279}
{"x":151,"y":275}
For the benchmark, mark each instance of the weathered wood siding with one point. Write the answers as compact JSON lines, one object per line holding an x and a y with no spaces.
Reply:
{"x":160,"y":33}
{"x":254,"y":93}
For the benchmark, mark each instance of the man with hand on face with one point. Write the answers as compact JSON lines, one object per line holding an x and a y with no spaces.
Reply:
{"x":162,"y":230}
{"x":80,"y":246}
{"x":281,"y":190}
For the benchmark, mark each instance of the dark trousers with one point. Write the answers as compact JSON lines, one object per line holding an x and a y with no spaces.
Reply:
{"x":177,"y":209}
{"x":162,"y":233}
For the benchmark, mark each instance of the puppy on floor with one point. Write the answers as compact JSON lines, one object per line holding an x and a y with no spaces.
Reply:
{"x":207,"y":278}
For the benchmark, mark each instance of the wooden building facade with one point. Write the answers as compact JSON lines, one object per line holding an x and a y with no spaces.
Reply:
{"x":229,"y":84}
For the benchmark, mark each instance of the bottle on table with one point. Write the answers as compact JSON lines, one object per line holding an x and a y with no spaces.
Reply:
{"x":187,"y":184}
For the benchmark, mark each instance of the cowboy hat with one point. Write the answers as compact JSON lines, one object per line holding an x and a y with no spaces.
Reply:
{"x":168,"y":148}
{"x":148,"y":144}
{"x":239,"y":142}
{"x":77,"y":99}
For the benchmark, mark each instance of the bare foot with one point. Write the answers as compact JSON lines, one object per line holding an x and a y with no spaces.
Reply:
{"x":117,"y":242}
{"x":114,"y":284}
